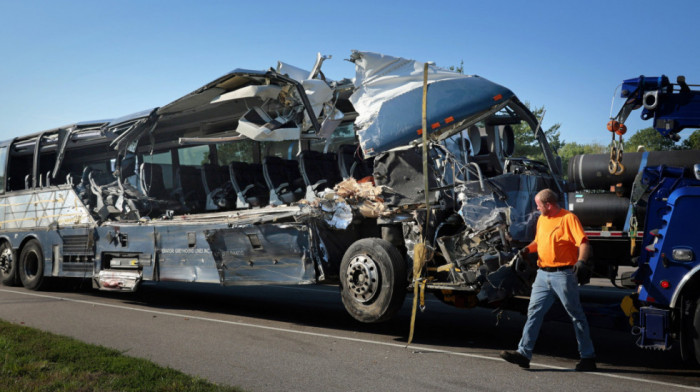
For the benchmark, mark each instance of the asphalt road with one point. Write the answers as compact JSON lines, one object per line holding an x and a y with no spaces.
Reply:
{"x":300,"y":339}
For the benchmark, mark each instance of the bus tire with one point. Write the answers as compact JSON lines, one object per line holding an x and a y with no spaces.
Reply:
{"x":31,"y":265}
{"x":372,"y":280}
{"x":8,"y":265}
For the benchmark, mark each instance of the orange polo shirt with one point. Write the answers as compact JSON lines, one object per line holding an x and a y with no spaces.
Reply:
{"x":557,"y":239}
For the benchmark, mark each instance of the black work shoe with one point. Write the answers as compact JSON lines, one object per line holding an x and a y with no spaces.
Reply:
{"x":586,"y":365}
{"x":517,"y":358}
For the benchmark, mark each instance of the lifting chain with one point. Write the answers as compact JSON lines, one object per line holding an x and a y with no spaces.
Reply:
{"x":633,"y":233}
{"x":615,"y":166}
{"x":499,"y":316}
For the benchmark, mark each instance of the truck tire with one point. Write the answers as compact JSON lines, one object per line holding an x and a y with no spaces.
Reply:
{"x":31,"y":266}
{"x":8,"y":265}
{"x":372,"y":280}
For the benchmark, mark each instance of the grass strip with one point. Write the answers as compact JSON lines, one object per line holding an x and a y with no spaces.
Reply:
{"x":32,"y":360}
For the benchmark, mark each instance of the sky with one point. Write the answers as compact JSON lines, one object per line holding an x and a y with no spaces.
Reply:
{"x":63,"y":62}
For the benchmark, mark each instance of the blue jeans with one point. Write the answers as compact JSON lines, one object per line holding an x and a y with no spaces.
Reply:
{"x":564,"y":285}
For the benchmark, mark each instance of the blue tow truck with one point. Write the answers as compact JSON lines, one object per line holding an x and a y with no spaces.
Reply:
{"x":666,"y":306}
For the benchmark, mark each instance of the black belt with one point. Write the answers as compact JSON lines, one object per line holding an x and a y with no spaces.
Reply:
{"x":555,"y":269}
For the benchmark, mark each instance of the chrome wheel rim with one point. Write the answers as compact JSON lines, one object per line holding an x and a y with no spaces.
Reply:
{"x":362,"y":278}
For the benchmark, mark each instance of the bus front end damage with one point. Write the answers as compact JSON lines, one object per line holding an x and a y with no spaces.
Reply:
{"x":462,"y":245}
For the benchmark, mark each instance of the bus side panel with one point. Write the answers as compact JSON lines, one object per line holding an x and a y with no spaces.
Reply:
{"x":263,"y":254}
{"x":43,"y":215}
{"x":72,"y":251}
{"x":54,"y":207}
{"x":184,"y":254}
{"x":116,"y":245}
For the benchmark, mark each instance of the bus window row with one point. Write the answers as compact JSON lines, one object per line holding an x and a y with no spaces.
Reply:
{"x":185,"y":180}
{"x":240,"y":185}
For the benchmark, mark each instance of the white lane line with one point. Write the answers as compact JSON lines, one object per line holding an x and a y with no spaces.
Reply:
{"x":345,"y":338}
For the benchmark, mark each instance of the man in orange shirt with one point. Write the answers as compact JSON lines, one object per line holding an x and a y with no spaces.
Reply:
{"x":562,"y":249}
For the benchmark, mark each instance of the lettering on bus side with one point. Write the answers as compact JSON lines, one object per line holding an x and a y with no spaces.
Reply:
{"x":185,"y":251}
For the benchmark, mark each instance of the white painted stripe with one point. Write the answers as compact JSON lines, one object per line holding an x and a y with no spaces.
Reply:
{"x":345,"y":338}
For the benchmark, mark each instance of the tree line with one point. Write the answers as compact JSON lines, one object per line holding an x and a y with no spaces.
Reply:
{"x":647,"y":139}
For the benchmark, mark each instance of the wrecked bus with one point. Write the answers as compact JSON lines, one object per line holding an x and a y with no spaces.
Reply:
{"x":285,"y":177}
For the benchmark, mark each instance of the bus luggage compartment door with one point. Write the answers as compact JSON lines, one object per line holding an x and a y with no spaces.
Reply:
{"x":263,"y":254}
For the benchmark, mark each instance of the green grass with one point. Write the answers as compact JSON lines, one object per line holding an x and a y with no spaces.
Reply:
{"x":32,"y":360}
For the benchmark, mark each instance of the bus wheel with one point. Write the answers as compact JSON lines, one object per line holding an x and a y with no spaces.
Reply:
{"x":372,"y":280}
{"x":31,"y":265}
{"x":8,"y":265}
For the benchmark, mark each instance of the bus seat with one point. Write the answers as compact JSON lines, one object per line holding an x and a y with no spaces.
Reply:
{"x":330,"y":169}
{"x":217,"y":186}
{"x":352,"y":164}
{"x":319,"y":170}
{"x":283,"y":179}
{"x":152,"y":184}
{"x":191,"y":189}
{"x":247,"y":180}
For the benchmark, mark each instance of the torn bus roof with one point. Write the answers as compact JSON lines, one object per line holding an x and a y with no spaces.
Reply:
{"x":289,"y":103}
{"x":261,"y":105}
{"x":388,"y":99}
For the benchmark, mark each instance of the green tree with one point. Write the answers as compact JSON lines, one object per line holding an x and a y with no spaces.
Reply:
{"x":526,"y":145}
{"x":458,"y":69}
{"x":573,"y":148}
{"x":569,"y":150}
{"x":238,"y":151}
{"x":650,"y":139}
{"x":692,"y":142}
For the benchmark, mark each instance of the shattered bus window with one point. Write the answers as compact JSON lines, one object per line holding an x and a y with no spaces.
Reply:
{"x":241,"y":151}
